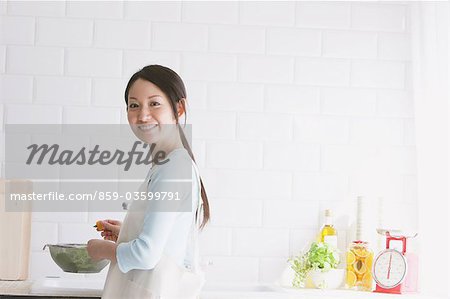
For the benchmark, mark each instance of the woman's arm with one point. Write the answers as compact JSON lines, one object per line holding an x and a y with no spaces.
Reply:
{"x":146,"y":250}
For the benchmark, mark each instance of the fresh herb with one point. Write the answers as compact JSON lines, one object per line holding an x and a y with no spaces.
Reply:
{"x":320,"y":256}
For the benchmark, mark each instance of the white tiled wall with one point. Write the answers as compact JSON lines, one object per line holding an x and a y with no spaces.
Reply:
{"x":296,"y":107}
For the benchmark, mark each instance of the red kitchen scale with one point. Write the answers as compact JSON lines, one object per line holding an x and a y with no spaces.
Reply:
{"x":394,"y":271}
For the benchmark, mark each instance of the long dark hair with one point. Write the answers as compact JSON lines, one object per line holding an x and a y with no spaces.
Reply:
{"x":173,"y":87}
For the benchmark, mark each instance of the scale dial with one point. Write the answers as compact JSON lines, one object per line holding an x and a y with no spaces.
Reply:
{"x":389,"y":268}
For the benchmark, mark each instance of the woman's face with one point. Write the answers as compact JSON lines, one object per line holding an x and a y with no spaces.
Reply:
{"x":150,"y":113}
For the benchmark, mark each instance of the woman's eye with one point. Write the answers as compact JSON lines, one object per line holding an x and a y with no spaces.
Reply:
{"x":132,"y":105}
{"x":154,"y":104}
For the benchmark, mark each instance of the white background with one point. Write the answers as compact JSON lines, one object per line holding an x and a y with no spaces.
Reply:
{"x":296,"y":107}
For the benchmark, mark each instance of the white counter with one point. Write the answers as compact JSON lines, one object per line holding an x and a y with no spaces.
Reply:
{"x":271,"y":291}
{"x":93,"y":288}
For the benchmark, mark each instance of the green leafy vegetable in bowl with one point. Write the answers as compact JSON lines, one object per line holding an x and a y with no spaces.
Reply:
{"x":320,"y":256}
{"x":74,"y":258}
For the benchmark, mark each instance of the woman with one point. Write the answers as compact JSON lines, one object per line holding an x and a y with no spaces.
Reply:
{"x":154,"y":254}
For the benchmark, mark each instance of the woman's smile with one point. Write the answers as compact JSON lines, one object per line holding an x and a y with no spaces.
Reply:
{"x":148,"y":127}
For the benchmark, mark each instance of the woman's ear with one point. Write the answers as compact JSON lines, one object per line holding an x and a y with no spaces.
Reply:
{"x":181,"y":107}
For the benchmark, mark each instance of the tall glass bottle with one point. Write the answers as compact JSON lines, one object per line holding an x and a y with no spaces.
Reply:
{"x":328,"y":233}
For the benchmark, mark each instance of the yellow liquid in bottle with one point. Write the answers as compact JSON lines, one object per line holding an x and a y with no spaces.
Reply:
{"x":327,"y":230}
{"x":328,"y":233}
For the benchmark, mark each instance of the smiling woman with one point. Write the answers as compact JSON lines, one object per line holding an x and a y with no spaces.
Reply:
{"x":156,"y":253}
{"x":150,"y":114}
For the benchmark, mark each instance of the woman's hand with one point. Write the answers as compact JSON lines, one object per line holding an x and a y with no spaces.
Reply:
{"x":111,"y":229}
{"x":101,"y":249}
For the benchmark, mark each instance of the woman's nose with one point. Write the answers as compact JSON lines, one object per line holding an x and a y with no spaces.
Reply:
{"x":144,"y":115}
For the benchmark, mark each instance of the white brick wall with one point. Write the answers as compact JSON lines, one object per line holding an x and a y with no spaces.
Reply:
{"x":320,"y":186}
{"x":34,"y":8}
{"x":222,"y":125}
{"x":396,"y":103}
{"x":294,"y":41}
{"x":348,"y":44}
{"x":16,"y":89}
{"x":93,"y":62}
{"x":299,"y":157}
{"x":210,"y":12}
{"x":21,"y":114}
{"x":272,"y":242}
{"x":270,"y":269}
{"x":64,"y":32}
{"x":233,"y":269}
{"x":237,"y":213}
{"x":266,"y":69}
{"x":295,"y":106}
{"x":323,"y":14}
{"x":108,"y":92}
{"x":292,"y":99}
{"x":222,"y":38}
{"x":378,"y":74}
{"x":280,"y":13}
{"x":216,"y":241}
{"x":77,"y":90}
{"x":345,"y":101}
{"x":395,"y":46}
{"x":153,"y":10}
{"x":1,"y":127}
{"x":133,"y":60}
{"x":3,"y":7}
{"x":17,"y":30}
{"x":234,"y":155}
{"x":179,"y":37}
{"x":236,"y":96}
{"x":43,"y":233}
{"x":197,"y":66}
{"x":290,"y":213}
{"x":319,"y":71}
{"x":259,"y":126}
{"x":325,"y":129}
{"x":91,"y":115}
{"x":35,"y":60}
{"x":378,"y":16}
{"x":2,"y":58}
{"x":261,"y":186}
{"x":116,"y":34}
{"x":95,"y":9}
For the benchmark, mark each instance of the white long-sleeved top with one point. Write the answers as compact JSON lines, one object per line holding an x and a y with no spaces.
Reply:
{"x":164,"y":232}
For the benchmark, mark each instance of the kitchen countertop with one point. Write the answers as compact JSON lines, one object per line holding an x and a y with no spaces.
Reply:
{"x":23,"y":289}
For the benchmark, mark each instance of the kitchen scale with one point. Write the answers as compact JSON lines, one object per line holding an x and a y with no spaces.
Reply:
{"x":395,"y":271}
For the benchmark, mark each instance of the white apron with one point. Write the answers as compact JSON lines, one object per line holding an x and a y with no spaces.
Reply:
{"x":167,"y":280}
